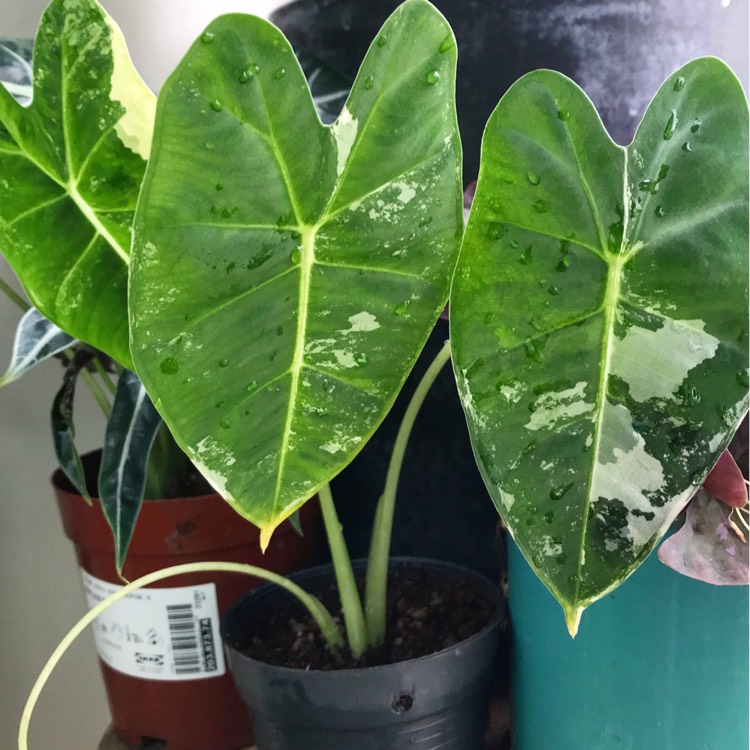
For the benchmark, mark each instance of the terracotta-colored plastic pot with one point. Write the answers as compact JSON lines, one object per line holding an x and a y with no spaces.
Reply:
{"x":185,"y":714}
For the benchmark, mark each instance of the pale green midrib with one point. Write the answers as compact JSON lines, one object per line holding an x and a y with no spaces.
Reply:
{"x":70,"y":190}
{"x":611,"y":300}
{"x":307,"y":261}
{"x":394,"y":86}
{"x":38,"y":207}
{"x":593,"y":207}
{"x":583,"y":245}
{"x":689,"y":224}
{"x":329,"y":215}
{"x":577,"y":176}
{"x":237,"y":298}
{"x":72,"y":185}
{"x":61,"y":289}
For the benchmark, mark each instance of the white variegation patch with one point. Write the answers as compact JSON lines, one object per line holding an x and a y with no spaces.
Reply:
{"x":553,"y":408}
{"x":344,"y":132}
{"x":639,"y":357}
{"x":628,"y":473}
{"x":135,"y":128}
{"x":362,"y":322}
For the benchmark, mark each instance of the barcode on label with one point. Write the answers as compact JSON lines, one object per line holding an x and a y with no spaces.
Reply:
{"x":184,"y":637}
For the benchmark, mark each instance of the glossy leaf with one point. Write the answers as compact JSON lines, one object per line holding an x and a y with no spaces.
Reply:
{"x":63,"y":428}
{"x":37,"y":339}
{"x":71,"y":166}
{"x":287,"y":274}
{"x":131,"y":429}
{"x":599,"y":318}
{"x":708,"y":546}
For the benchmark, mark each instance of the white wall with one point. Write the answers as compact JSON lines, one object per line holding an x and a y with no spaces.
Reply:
{"x":40,"y":589}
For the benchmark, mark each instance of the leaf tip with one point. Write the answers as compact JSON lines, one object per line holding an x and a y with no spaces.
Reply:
{"x":266,"y":532}
{"x":573,"y":620}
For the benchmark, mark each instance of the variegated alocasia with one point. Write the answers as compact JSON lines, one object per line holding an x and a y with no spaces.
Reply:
{"x":286,"y":274}
{"x":71,"y":165}
{"x":599,"y":318}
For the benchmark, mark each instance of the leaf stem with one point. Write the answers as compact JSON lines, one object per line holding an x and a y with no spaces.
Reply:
{"x":380,"y":543}
{"x":13,"y":296}
{"x":104,"y":375}
{"x":97,"y":392}
{"x":320,"y":614}
{"x":351,"y":604}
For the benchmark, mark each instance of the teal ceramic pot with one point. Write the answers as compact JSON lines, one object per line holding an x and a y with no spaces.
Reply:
{"x":660,"y":664}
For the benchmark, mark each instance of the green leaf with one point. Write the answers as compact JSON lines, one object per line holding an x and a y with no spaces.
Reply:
{"x":131,"y":429}
{"x":71,"y":166}
{"x":599,"y":318}
{"x":37,"y":339}
{"x":286,"y":274}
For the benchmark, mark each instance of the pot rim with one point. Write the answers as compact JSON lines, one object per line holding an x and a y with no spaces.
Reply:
{"x":361,"y":563}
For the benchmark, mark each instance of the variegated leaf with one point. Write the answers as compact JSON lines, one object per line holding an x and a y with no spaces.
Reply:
{"x":599,"y":318}
{"x":71,"y":165}
{"x":286,"y":274}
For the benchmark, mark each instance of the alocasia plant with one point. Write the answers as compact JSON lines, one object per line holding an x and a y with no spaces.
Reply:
{"x":599,"y":318}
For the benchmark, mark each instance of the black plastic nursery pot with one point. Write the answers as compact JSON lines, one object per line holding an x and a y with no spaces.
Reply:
{"x":436,"y":701}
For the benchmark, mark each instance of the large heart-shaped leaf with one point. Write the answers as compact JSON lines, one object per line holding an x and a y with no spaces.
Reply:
{"x":599,"y":318}
{"x":71,"y":166}
{"x":286,"y":274}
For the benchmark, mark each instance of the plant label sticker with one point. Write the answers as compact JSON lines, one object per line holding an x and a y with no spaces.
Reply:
{"x":158,"y":634}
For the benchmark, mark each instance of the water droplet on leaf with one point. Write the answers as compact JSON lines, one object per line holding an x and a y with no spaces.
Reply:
{"x":295,"y":256}
{"x":216,"y":105}
{"x":446,"y":44}
{"x":742,"y":378}
{"x":696,"y":126}
{"x":279,"y":74}
{"x":563,"y":114}
{"x":525,"y":257}
{"x":207,"y":37}
{"x":369,"y":82}
{"x":433,"y":77}
{"x":533,"y":178}
{"x":401,"y":309}
{"x":382,"y":40}
{"x":223,"y":362}
{"x":169,"y":366}
{"x":224,"y":424}
{"x":671,"y":126}
{"x":679,"y":84}
{"x":251,"y":386}
{"x":659,"y":211}
{"x":541,"y":206}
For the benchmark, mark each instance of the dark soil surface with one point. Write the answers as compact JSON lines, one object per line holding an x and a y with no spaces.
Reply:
{"x":428,"y":611}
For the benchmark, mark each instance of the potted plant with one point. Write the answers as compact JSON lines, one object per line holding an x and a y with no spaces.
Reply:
{"x":294,"y":270}
{"x":45,"y":208}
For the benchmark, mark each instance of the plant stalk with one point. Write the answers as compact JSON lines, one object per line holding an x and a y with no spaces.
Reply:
{"x":320,"y":614}
{"x":104,"y":375}
{"x":380,"y":544}
{"x":13,"y":296}
{"x":97,"y":392}
{"x":351,"y":604}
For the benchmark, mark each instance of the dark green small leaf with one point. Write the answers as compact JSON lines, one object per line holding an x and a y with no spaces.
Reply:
{"x":36,"y":339}
{"x":131,"y":429}
{"x":63,"y":429}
